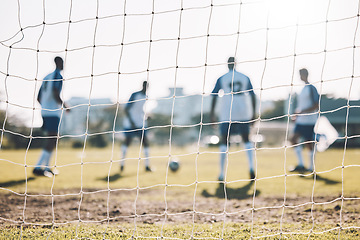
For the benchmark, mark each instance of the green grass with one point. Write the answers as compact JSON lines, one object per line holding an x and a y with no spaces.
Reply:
{"x":172,"y":231}
{"x":197,"y":172}
{"x":203,"y":167}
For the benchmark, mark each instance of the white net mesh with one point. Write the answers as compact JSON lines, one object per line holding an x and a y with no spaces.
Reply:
{"x":110,"y":48}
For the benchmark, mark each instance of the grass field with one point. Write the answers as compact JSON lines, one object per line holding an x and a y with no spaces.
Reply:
{"x":90,"y":199}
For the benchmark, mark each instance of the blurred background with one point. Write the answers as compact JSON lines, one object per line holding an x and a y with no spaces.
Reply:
{"x":181,"y":48}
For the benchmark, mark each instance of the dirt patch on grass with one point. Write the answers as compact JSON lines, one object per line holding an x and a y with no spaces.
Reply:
{"x":151,"y":206}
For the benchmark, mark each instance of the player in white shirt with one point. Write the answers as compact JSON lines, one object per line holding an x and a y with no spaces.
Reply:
{"x":135,"y":124}
{"x":237,"y":111}
{"x":51,"y":103}
{"x":305,"y":120}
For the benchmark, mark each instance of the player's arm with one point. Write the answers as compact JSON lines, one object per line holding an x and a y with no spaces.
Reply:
{"x":313,"y":108}
{"x":127,"y":110}
{"x":314,"y":98}
{"x":214,"y":100}
{"x":213,"y":105}
{"x":253,"y":98}
{"x":56,"y":93}
{"x":39,"y":95}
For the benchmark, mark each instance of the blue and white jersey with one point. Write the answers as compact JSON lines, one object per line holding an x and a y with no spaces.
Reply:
{"x":49,"y":106}
{"x":239,"y":104}
{"x":307,"y":98}
{"x":136,"y":111}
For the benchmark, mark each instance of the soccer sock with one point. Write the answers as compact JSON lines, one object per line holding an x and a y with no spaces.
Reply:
{"x":43,"y":159}
{"x":47,"y":159}
{"x":312,"y":157}
{"x":222,"y":160}
{"x":146,"y":153}
{"x":250,"y":155}
{"x":123,"y":151}
{"x":298,"y":151}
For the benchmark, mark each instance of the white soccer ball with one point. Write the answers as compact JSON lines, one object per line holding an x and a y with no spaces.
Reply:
{"x":174,"y":165}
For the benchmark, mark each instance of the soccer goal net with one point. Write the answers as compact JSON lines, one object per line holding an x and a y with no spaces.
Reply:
{"x":179,"y":119}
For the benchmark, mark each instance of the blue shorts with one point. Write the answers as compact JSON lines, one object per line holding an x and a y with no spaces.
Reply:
{"x":235,"y":128}
{"x":51,"y":124}
{"x":305,"y":131}
{"x":134,"y":133}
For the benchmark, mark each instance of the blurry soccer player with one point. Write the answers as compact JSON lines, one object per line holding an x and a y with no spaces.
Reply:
{"x":237,"y":109}
{"x":51,"y":103}
{"x":307,"y":107}
{"x":134,"y":122}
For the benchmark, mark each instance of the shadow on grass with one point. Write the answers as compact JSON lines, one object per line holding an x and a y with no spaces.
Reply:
{"x":15,"y":182}
{"x":111,"y":178}
{"x":327,"y":181}
{"x":115,"y":177}
{"x":232,"y":193}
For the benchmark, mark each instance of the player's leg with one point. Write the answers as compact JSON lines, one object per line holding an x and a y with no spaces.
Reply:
{"x":50,"y":146}
{"x":244,"y":130}
{"x":298,"y":149}
{"x":312,"y":152}
{"x":146,"y":153}
{"x":44,"y":158}
{"x":124,"y":148}
{"x":50,"y":125}
{"x":309,"y":136}
{"x":224,"y":129}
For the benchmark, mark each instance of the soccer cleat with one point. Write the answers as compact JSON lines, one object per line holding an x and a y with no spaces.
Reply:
{"x":121,"y":168}
{"x":252,"y":175}
{"x":221,"y":178}
{"x":43,"y":173}
{"x":38,"y":172}
{"x":298,"y":168}
{"x":148,"y":169}
{"x":48,"y":173}
{"x":52,"y":172}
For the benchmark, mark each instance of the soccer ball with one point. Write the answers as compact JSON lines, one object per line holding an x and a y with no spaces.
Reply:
{"x":174,"y":165}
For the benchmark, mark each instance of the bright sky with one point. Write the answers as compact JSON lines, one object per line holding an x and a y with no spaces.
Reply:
{"x":24,"y":64}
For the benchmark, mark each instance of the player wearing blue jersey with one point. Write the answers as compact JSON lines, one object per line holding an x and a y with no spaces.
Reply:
{"x":305,"y":120}
{"x":237,"y":110}
{"x":135,"y":124}
{"x":51,"y":103}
